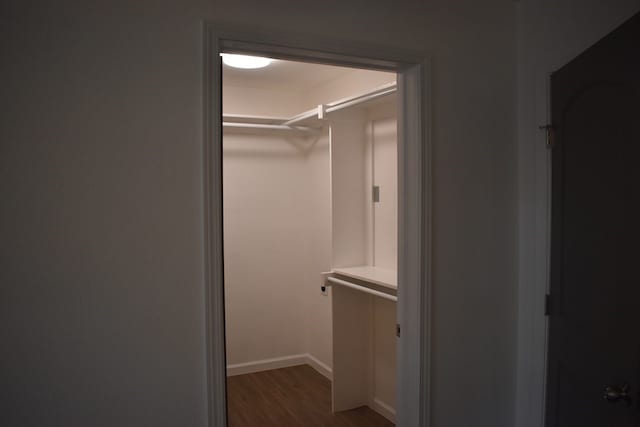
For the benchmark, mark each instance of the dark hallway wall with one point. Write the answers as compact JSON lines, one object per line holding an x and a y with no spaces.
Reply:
{"x":101,"y":307}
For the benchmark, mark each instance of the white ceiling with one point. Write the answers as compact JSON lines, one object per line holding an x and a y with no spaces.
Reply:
{"x":284,"y":75}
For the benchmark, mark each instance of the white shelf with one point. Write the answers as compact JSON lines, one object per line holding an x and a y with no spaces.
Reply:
{"x":375,"y":275}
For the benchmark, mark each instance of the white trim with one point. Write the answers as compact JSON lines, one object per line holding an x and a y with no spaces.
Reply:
{"x":414,"y":245}
{"x":280,"y":362}
{"x":534,"y":261}
{"x":212,"y":210}
{"x":266,"y":364}
{"x":322,"y":368}
{"x":262,"y":126}
{"x":414,"y":200}
{"x":383,"y":409}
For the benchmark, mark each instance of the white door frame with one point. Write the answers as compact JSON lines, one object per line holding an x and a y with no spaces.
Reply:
{"x":535,"y":263}
{"x":414,"y":200}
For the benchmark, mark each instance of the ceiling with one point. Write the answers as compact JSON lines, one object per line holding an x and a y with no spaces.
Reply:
{"x":282,"y":74}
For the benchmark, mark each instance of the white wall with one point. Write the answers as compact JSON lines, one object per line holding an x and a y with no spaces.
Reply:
{"x":317,"y":307}
{"x":101,"y":167}
{"x":384,"y":139}
{"x":274,"y":249}
{"x":101,"y":306}
{"x":348,"y":189}
{"x":277,"y":222}
{"x":262,"y":102}
{"x":550,"y":34}
{"x":266,"y":244}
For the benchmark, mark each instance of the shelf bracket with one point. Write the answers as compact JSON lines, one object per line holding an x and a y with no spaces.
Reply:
{"x":322,"y":112}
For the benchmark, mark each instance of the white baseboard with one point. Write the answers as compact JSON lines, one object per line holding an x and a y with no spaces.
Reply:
{"x":280,"y":362}
{"x":266,"y":364}
{"x":319,"y":366}
{"x":383,"y":409}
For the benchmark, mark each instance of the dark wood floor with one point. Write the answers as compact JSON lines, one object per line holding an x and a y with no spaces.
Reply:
{"x":296,"y":396}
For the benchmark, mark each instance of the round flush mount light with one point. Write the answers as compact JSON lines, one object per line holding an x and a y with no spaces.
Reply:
{"x":244,"y":61}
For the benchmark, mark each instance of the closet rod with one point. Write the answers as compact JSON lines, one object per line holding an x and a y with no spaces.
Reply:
{"x":301,"y":117}
{"x":267,"y":126}
{"x":361,"y":288}
{"x":360,"y":99}
{"x":279,"y":123}
{"x":243,"y":118}
{"x":347,"y":102}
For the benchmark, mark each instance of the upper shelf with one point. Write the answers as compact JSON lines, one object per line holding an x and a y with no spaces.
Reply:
{"x":375,"y":275}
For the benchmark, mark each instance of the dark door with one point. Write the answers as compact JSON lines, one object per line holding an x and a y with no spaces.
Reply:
{"x":594,"y":325}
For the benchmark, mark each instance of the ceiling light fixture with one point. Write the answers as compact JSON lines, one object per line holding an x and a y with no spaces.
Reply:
{"x":245,"y":61}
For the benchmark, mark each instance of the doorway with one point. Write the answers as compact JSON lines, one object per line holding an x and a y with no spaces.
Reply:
{"x":413,"y":201}
{"x":310,"y":242}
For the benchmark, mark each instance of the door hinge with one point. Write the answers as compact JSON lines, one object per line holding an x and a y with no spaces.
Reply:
{"x":550,"y":131}
{"x":547,"y":305}
{"x":376,"y":194}
{"x":398,"y":330}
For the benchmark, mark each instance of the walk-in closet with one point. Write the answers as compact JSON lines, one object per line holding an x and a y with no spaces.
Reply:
{"x":310,"y":244}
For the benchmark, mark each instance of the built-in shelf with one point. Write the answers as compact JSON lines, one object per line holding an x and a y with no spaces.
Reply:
{"x":368,"y":273}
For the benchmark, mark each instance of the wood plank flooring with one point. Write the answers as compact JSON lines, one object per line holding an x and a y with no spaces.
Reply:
{"x":289,"y":397}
